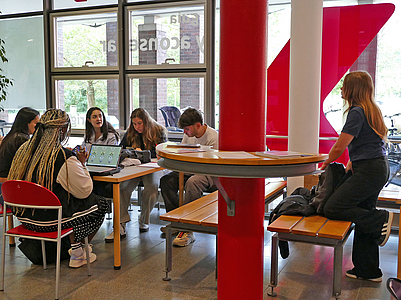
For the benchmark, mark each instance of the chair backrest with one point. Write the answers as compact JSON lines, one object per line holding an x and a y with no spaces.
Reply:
{"x":394,"y":287}
{"x":19,"y":192}
{"x":171,"y":115}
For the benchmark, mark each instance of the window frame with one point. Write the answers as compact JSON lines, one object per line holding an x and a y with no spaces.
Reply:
{"x":53,"y":38}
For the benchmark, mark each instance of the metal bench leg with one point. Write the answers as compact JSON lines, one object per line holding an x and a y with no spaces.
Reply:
{"x":169,"y":253}
{"x":274,"y":267}
{"x":337,"y":270}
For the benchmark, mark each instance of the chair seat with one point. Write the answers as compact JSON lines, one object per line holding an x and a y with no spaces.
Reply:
{"x":21,"y":230}
{"x":9,"y":211}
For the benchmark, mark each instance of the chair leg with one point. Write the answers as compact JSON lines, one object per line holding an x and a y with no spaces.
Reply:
{"x":11,"y":239}
{"x":58,"y":258}
{"x":3,"y":257}
{"x":44,"y":254}
{"x":87,"y":256}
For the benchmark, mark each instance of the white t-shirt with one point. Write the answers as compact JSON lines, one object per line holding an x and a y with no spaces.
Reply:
{"x":209,"y":138}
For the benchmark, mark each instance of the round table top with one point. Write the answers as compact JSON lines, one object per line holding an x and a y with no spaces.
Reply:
{"x":235,"y":163}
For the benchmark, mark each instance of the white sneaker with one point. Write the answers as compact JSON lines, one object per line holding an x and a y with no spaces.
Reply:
{"x":123,"y":234}
{"x":78,"y":258}
{"x":143,"y":227}
{"x":83,"y":249}
{"x":183,"y":239}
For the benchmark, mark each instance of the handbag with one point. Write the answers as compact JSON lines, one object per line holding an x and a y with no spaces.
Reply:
{"x":143,"y":156}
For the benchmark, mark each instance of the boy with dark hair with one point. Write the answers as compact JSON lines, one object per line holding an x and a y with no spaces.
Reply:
{"x":195,"y":132}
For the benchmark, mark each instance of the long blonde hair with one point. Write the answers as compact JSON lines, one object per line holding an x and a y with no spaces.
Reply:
{"x":36,"y":158}
{"x":151,"y":130}
{"x":358,"y":90}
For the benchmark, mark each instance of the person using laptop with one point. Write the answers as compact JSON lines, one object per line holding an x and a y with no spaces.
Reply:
{"x":100,"y":132}
{"x":97,"y":130}
{"x":195,"y":132}
{"x":43,"y":160}
{"x":144,"y":133}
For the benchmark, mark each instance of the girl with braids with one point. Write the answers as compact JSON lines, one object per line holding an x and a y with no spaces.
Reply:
{"x":364,"y":133}
{"x":144,"y":133}
{"x":45,"y":161}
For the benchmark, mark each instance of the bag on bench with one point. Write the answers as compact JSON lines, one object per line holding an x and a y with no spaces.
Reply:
{"x":332,"y":177}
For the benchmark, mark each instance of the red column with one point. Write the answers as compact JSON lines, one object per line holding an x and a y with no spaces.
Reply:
{"x":243,"y":47}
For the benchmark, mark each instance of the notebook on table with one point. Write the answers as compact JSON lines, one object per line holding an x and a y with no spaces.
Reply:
{"x":103,"y":159}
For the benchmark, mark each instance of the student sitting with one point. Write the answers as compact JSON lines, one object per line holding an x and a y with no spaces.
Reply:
{"x":144,"y":133}
{"x":45,"y":161}
{"x":195,"y":132}
{"x":24,"y":125}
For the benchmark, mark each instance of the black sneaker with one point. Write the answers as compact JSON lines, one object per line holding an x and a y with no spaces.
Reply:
{"x":386,"y":229}
{"x":350,"y":274}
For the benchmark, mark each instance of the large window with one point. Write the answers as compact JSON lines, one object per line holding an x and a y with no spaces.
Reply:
{"x":167,"y":34}
{"x":24,"y":46}
{"x":76,"y":96}
{"x":152,"y":93}
{"x":85,"y":40}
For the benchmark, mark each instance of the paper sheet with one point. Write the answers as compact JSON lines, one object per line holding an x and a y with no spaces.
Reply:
{"x":235,"y":154}
{"x":150,"y":165}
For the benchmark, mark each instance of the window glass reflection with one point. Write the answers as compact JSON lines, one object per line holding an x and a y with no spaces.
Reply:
{"x":155,"y":93}
{"x":172,"y":34}
{"x":77,"y":96}
{"x":86,"y":39}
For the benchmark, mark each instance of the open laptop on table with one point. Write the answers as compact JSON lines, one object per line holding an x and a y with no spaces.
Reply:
{"x":103,"y":159}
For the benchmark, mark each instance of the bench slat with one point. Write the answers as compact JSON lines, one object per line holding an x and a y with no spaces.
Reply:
{"x":178,"y":213}
{"x":211,"y":221}
{"x":284,"y":223}
{"x":197,"y":216}
{"x":309,"y":225}
{"x":271,"y":188}
{"x":335,"y":229}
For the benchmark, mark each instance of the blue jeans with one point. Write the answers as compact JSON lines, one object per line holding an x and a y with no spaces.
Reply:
{"x":355,"y":201}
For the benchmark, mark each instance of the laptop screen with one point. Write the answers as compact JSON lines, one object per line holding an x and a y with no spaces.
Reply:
{"x":104,"y":156}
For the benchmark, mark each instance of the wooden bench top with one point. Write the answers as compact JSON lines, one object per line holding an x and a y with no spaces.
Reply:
{"x":204,"y":211}
{"x":390,"y":193}
{"x":311,"y":226}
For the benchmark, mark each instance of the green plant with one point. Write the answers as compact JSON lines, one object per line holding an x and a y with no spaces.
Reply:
{"x":5,"y":82}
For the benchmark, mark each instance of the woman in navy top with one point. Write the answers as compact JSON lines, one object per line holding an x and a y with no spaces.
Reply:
{"x":355,"y":200}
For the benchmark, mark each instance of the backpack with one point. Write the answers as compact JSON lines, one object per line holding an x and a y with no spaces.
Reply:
{"x":329,"y":180}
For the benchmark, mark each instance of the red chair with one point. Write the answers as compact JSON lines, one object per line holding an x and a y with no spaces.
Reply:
{"x":23,"y":194}
{"x":9,"y":215}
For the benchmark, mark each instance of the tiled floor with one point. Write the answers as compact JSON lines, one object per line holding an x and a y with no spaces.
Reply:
{"x":306,"y":274}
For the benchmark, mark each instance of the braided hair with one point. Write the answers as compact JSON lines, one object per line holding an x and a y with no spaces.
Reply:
{"x":36,"y":158}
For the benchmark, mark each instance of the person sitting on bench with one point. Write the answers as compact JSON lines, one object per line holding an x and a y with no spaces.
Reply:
{"x":195,"y":132}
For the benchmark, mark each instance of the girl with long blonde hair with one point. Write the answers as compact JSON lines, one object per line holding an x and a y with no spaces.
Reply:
{"x":144,"y":133}
{"x":364,"y":134}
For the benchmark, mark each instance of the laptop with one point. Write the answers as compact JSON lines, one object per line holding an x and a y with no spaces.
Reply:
{"x":103,"y":159}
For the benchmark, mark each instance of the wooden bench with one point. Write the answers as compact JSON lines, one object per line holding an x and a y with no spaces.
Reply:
{"x":314,"y":230}
{"x":201,"y":215}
